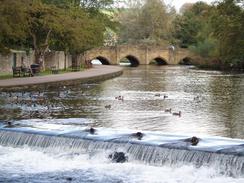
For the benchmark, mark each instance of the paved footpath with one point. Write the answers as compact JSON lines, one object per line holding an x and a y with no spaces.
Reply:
{"x":97,"y":71}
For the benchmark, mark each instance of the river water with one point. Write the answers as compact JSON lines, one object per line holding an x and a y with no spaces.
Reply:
{"x":211,"y":104}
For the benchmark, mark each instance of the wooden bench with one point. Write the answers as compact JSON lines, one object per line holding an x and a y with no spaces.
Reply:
{"x":16,"y":71}
{"x":54,"y":70}
{"x":26,"y":72}
{"x":35,"y":69}
{"x":75,"y":68}
{"x":22,"y":72}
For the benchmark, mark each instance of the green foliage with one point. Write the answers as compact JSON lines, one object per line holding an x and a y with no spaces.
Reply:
{"x":205,"y":48}
{"x":188,"y":27}
{"x":214,"y":31}
{"x":13,"y":29}
{"x":80,"y":32}
{"x":147,"y":21}
{"x":70,"y":25}
{"x":228,"y":26}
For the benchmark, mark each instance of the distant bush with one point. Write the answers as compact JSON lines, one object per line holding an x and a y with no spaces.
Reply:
{"x":205,"y":48}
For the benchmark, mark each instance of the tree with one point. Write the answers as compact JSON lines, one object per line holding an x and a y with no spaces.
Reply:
{"x":228,"y":26}
{"x":13,"y":29}
{"x":188,"y":26}
{"x":186,"y":7}
{"x":43,"y":21}
{"x":147,"y":20}
{"x":70,"y":25}
{"x":155,"y":20}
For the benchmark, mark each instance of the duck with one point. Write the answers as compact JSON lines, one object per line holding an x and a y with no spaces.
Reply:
{"x":193,"y":140}
{"x":138,"y":135}
{"x":168,"y":110}
{"x":108,"y":106}
{"x":9,"y":124}
{"x":196,"y":98}
{"x":157,"y":95}
{"x":92,"y":130}
{"x":165,"y":96}
{"x":177,"y":113}
{"x":120,"y":98}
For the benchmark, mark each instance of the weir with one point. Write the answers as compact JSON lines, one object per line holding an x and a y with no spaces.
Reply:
{"x":223,"y":154}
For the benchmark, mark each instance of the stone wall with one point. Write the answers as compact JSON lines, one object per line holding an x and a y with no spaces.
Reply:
{"x":20,"y":57}
{"x":6,"y":63}
{"x":55,"y":58}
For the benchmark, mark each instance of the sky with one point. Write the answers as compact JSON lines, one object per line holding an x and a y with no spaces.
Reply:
{"x":179,"y":3}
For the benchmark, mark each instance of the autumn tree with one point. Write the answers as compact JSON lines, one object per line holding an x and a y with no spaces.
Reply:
{"x":13,"y":29}
{"x":69,"y":25}
{"x":228,"y":26}
{"x":147,"y":20}
{"x":188,"y":25}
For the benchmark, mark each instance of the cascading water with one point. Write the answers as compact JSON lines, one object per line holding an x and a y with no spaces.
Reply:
{"x":48,"y":142}
{"x":154,"y":149}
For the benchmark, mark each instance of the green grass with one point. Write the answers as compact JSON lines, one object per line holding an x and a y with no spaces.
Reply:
{"x":60,"y":71}
{"x":4,"y":75}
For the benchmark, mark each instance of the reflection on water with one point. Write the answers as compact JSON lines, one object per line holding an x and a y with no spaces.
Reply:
{"x":211,"y":102}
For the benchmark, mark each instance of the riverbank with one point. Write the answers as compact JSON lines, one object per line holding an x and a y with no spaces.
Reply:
{"x":210,"y":63}
{"x":96,"y":73}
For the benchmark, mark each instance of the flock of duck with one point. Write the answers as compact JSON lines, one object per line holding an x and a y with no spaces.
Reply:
{"x":121,"y":98}
{"x":33,"y":99}
{"x":118,"y":157}
{"x":139,"y":135}
{"x":33,"y":104}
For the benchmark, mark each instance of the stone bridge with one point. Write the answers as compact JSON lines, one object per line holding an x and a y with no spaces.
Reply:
{"x":137,"y":55}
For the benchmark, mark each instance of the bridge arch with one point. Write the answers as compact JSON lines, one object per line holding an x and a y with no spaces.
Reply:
{"x":102,"y":59}
{"x":186,"y":61}
{"x":137,"y":54}
{"x":134,"y":61}
{"x":159,"y":61}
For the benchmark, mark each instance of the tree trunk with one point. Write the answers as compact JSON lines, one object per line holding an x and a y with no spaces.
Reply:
{"x":40,"y":51}
{"x":65,"y":60}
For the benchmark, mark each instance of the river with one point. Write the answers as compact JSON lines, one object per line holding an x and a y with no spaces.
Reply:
{"x":211,"y":104}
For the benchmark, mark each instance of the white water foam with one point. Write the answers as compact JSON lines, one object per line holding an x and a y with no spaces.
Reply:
{"x":18,"y":162}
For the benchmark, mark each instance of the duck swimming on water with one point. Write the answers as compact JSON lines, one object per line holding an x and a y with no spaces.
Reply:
{"x":91,"y":130}
{"x":193,"y":140}
{"x":138,"y":135}
{"x":168,"y":110}
{"x":108,"y":106}
{"x":177,"y":113}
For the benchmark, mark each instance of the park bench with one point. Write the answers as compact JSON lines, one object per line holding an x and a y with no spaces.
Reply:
{"x":75,"y":67}
{"x":26,"y":72}
{"x":35,"y":68}
{"x":16,"y":71}
{"x":54,"y":70}
{"x":21,"y":71}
